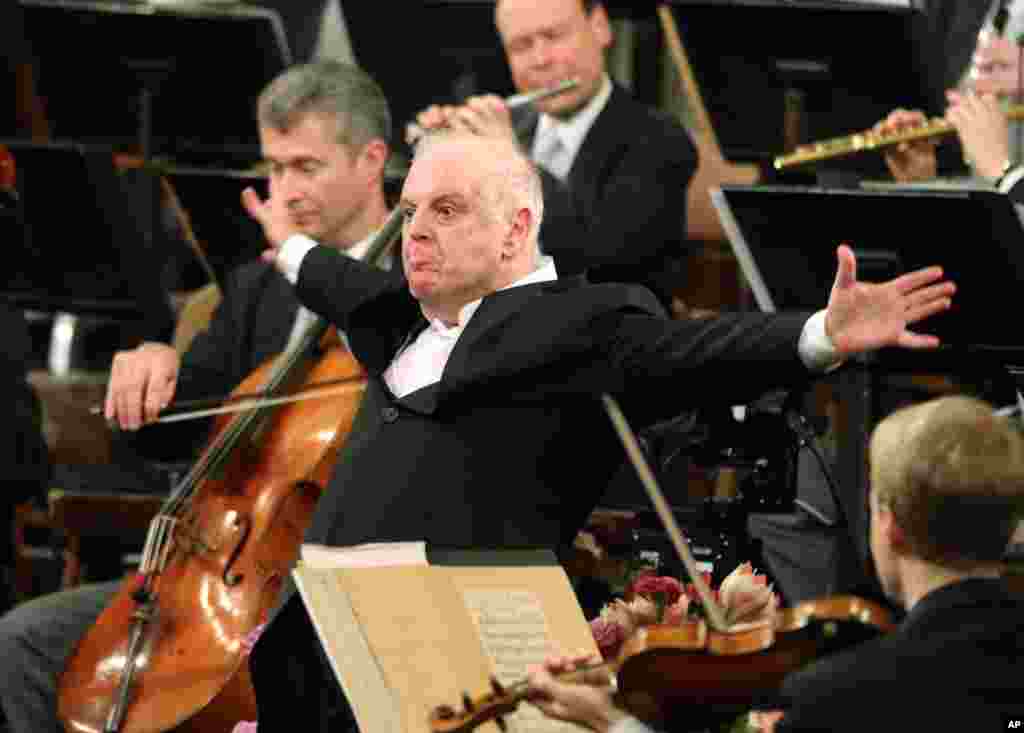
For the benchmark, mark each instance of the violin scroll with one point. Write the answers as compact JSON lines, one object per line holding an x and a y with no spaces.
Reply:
{"x":492,"y":706}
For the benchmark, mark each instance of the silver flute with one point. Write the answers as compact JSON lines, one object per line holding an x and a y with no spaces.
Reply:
{"x":413,"y":131}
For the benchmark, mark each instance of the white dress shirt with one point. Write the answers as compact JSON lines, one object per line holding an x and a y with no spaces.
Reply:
{"x":422,"y":362}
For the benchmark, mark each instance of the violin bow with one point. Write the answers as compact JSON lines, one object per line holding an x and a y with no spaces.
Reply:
{"x":636,"y":456}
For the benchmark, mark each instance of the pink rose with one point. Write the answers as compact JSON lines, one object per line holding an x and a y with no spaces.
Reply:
{"x":608,"y":635}
{"x":746,"y":596}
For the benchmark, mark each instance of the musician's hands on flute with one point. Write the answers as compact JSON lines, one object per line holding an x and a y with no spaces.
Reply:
{"x":142,"y":383}
{"x":983,"y":130}
{"x":486,"y":115}
{"x":912,"y":160}
{"x":587,"y":703}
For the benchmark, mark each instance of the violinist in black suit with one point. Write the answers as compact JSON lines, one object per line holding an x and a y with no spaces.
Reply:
{"x":615,"y":172}
{"x":947,"y":486}
{"x":480,"y":426}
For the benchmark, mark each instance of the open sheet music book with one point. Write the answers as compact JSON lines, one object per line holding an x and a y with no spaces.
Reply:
{"x":404,"y":636}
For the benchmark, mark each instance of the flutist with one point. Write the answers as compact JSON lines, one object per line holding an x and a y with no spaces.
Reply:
{"x":615,"y":173}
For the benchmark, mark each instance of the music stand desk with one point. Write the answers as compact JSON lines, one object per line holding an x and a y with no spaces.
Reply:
{"x":785,"y":239}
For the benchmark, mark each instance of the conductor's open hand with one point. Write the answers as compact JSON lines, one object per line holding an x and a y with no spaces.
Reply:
{"x":142,"y":382}
{"x":866,"y":316}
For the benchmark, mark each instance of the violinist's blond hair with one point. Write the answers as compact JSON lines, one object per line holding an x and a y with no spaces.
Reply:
{"x":952,"y":473}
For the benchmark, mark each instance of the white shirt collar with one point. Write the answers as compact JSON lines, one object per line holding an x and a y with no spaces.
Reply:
{"x":572,"y":132}
{"x":358,"y":250}
{"x":545,"y":272}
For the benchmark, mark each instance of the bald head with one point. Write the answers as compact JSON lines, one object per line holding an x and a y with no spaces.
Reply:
{"x":473,"y":207}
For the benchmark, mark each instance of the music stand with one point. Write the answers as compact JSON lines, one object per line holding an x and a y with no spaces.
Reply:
{"x":211,"y":199}
{"x":180,"y":83}
{"x":781,"y":72}
{"x":784,"y":239}
{"x":82,"y":249}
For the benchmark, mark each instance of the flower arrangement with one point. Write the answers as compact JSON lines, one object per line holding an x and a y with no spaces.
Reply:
{"x":744,"y":595}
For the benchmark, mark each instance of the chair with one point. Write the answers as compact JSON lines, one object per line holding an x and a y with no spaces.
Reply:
{"x":83,"y":515}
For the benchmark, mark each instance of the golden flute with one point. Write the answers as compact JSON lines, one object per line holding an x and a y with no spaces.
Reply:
{"x":867,"y":140}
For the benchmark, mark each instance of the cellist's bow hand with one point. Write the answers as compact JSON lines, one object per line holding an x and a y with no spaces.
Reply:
{"x":142,"y":383}
{"x":586,"y":701}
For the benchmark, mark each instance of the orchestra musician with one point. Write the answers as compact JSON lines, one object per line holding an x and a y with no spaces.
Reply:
{"x":323,"y":130}
{"x":483,"y":372}
{"x":947,"y":482}
{"x":615,"y":172}
{"x":969,"y":50}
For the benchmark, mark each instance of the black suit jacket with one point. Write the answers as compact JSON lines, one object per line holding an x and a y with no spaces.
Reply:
{"x":511,"y":448}
{"x":953,"y":664}
{"x":251,"y":323}
{"x":621,"y":214}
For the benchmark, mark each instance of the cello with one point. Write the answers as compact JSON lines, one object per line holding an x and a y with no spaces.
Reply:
{"x":168,"y":651}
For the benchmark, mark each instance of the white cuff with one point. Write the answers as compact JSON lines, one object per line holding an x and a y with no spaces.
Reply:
{"x":629,"y":724}
{"x":291,"y":254}
{"x":1009,"y":180}
{"x":816,"y":349}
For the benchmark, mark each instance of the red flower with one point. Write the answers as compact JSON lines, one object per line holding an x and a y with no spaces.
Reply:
{"x":650,"y":585}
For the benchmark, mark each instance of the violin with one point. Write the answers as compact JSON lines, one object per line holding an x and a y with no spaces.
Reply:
{"x":673,"y":675}
{"x":704,"y":672}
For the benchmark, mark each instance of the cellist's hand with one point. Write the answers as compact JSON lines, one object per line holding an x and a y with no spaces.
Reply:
{"x":142,"y":382}
{"x":588,"y":703}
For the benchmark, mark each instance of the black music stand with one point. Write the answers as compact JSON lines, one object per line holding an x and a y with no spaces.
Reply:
{"x":80,"y":249}
{"x":178,"y":83}
{"x":771,"y":70}
{"x":785,"y":239}
{"x":212,"y":202}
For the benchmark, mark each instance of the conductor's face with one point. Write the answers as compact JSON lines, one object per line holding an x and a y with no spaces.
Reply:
{"x":453,"y":232}
{"x":551,"y":41}
{"x":323,"y":184}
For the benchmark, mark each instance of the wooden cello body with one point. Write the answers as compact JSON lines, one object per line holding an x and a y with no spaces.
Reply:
{"x":231,"y":547}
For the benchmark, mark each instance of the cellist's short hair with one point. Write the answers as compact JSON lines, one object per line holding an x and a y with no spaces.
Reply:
{"x":952,"y":473}
{"x":341,"y":91}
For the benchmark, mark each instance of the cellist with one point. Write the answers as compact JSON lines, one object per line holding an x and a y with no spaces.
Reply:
{"x":324,"y":130}
{"x":947,"y":483}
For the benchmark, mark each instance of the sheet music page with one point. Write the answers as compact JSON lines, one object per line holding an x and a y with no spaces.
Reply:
{"x":370,"y":555}
{"x":515,"y":636}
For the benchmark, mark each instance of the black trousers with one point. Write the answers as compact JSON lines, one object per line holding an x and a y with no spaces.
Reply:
{"x":293,"y":679}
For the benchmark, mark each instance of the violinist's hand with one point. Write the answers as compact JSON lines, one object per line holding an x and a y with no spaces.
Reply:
{"x":587,"y":703}
{"x":142,"y":382}
{"x":275,"y":218}
{"x":912,"y":160}
{"x":865,"y":316}
{"x":982,"y":127}
{"x":764,"y":721}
